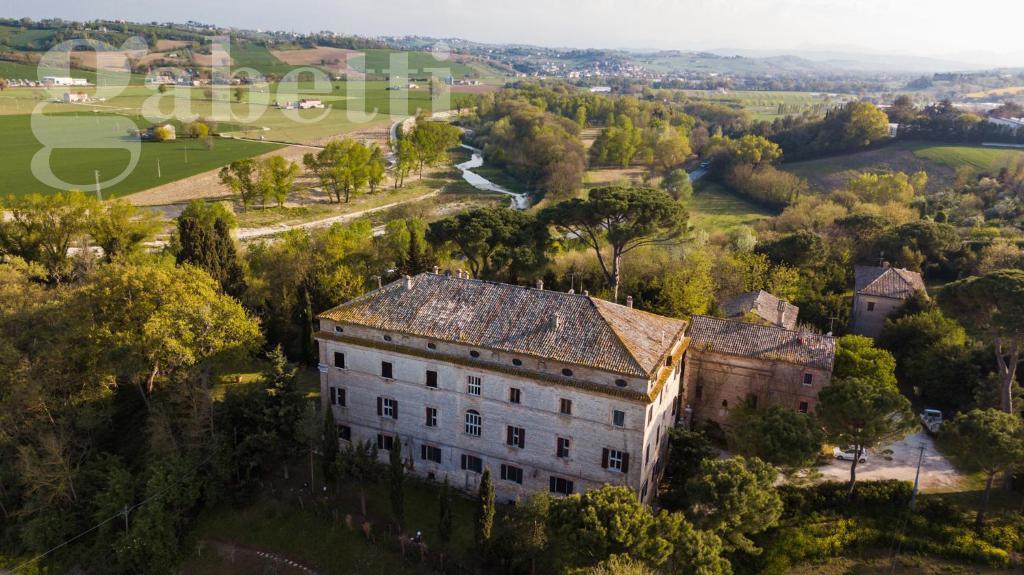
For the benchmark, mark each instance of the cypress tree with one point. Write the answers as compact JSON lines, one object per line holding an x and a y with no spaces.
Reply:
{"x":397,"y":477}
{"x":330,"y":444}
{"x":444,"y":520}
{"x":485,"y":511}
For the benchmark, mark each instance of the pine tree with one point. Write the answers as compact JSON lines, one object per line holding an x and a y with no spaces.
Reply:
{"x":485,"y":510}
{"x":397,"y":477}
{"x":444,"y":520}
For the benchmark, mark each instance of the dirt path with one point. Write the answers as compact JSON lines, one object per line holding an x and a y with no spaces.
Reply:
{"x":937,"y":473}
{"x":245,"y":234}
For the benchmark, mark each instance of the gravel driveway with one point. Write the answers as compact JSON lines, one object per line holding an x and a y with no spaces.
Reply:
{"x":937,"y":473}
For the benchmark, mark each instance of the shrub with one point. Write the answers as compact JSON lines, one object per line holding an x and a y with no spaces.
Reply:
{"x":871,"y":498}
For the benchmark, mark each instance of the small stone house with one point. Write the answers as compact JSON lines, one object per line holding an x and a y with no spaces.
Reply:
{"x":764,"y":307}
{"x":878,"y":291}
{"x":730,"y":364}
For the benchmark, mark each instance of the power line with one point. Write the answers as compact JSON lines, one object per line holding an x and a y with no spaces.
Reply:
{"x":123,"y":513}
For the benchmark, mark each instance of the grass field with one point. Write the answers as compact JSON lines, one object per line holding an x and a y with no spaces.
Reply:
{"x":985,"y":159}
{"x":940,"y":161}
{"x":770,"y":105}
{"x":715,"y":209}
{"x":350,"y":110}
{"x":76,"y":165}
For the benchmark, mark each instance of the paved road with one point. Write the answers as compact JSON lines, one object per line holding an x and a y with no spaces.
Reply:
{"x":937,"y":473}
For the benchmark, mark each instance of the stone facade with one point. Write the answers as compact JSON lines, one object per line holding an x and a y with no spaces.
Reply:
{"x":432,"y":390}
{"x":716,"y":384}
{"x":869,"y":313}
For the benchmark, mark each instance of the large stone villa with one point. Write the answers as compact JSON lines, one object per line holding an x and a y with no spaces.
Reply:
{"x":552,"y":391}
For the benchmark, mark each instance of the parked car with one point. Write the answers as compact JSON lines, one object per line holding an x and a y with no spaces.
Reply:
{"x":932,"y":420}
{"x":847,"y":454}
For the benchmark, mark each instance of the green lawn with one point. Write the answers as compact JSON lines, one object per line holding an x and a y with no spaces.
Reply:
{"x":76,"y":164}
{"x":982,"y":158}
{"x":716,"y":209}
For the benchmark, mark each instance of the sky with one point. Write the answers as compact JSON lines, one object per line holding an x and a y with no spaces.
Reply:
{"x":979,"y":29}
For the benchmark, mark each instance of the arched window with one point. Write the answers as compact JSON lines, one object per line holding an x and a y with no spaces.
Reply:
{"x":473,"y":423}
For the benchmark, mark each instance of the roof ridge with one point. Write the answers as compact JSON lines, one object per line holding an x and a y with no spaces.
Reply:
{"x":618,"y":337}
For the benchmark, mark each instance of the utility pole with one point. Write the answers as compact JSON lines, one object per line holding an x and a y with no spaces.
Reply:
{"x":831,"y":323}
{"x":99,"y":194}
{"x":917,"y":476}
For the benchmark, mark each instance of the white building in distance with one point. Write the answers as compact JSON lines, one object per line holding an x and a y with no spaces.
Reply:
{"x":64,"y":81}
{"x":551,"y":391}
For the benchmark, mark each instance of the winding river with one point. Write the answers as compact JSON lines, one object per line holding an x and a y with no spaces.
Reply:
{"x":519,"y":201}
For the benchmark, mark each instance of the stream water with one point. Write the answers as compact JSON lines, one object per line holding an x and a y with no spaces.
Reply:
{"x":519,"y":201}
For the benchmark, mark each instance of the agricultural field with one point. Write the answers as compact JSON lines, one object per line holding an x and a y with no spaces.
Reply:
{"x":176,"y":160}
{"x":940,"y":161}
{"x":348,"y":112}
{"x":770,"y":105}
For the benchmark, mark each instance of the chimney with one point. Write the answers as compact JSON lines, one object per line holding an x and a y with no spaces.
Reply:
{"x":540,"y":284}
{"x":555,"y":322}
{"x":380,"y":282}
{"x":571,"y":291}
{"x":408,"y":282}
{"x":629,"y":301}
{"x":782,"y":313}
{"x":885,"y":265}
{"x":586,"y":293}
{"x":436,"y":270}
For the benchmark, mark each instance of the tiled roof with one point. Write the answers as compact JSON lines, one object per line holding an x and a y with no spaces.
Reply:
{"x":765,"y":342}
{"x":570,"y":328}
{"x":765,"y":305}
{"x":889,"y":282}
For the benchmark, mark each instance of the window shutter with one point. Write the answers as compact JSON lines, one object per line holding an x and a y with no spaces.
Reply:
{"x":552,"y":483}
{"x":394,"y":410}
{"x":625,"y":463}
{"x":463,"y":460}
{"x":508,"y":435}
{"x":423,"y":452}
{"x":604,"y":458}
{"x":380,"y":406}
{"x":522,"y":438}
{"x":334,"y":396}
